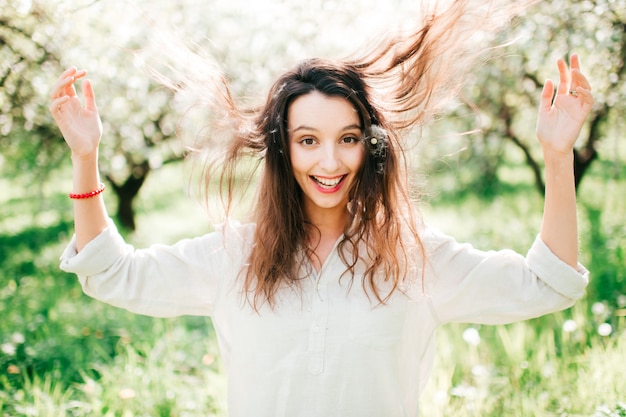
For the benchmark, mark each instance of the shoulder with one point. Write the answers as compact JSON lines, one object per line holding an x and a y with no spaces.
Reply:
{"x":223,"y":250}
{"x":236,"y":231}
{"x":434,"y":240}
{"x":233,"y":236}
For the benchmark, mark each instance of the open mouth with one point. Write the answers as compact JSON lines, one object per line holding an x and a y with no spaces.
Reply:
{"x":328,"y":183}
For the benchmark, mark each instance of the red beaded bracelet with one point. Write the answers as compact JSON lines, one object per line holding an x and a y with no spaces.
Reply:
{"x":89,"y":194}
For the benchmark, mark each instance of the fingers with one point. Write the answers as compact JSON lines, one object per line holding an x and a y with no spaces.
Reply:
{"x":579,"y":80}
{"x":90,"y":98}
{"x":563,"y":77}
{"x":572,"y":79}
{"x":69,"y":72}
{"x":585,"y":94}
{"x":63,"y":90}
{"x":546,"y":96}
{"x":574,"y":62}
{"x":580,"y":84}
{"x":573,"y":82}
{"x":55,"y":105}
{"x":65,"y":83}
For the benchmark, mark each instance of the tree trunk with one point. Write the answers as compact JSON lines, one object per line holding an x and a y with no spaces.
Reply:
{"x":506,"y":113}
{"x":583,"y":157}
{"x":127,"y":192}
{"x":586,"y":155}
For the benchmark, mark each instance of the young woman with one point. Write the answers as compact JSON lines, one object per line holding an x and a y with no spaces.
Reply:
{"x":326,"y":303}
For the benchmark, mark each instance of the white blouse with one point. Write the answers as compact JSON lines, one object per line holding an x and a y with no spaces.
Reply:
{"x":326,"y":349}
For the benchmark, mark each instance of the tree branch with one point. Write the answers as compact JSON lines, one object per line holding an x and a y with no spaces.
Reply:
{"x":507,"y":117}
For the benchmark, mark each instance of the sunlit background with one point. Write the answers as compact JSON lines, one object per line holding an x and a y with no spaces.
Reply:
{"x":63,"y":354}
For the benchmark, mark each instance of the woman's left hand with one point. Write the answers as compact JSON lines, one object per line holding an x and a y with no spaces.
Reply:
{"x":561,"y":118}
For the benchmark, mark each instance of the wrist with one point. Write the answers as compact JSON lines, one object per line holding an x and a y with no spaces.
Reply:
{"x":82,"y":158}
{"x":86,"y":174}
{"x":551,"y":155}
{"x":558,"y":169}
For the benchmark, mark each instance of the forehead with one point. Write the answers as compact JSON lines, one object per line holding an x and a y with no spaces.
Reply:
{"x":317,"y":110}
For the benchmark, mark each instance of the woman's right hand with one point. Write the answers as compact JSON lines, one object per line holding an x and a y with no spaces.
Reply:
{"x":80,"y":126}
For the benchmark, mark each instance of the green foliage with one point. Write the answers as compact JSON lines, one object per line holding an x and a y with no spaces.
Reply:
{"x":562,"y":364}
{"x":542,"y":367}
{"x":63,"y":354}
{"x":607,"y":256}
{"x":499,"y":103}
{"x":29,"y":145}
{"x":117,"y":44}
{"x":602,"y":227}
{"x":619,"y":411}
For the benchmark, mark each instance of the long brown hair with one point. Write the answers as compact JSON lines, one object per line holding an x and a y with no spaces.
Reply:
{"x":396,"y":85}
{"x":379,"y":204}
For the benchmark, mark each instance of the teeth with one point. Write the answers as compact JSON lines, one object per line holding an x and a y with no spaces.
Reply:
{"x":328,"y":183}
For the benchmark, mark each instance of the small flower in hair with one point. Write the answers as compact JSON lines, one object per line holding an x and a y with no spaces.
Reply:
{"x":375,"y":139}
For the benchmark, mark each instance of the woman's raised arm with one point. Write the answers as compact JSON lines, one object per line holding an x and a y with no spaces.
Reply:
{"x":82,"y":129}
{"x":559,"y":122}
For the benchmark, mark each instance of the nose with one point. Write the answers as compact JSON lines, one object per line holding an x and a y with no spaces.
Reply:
{"x":329,"y":159}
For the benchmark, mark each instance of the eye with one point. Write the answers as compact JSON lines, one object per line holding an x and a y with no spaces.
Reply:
{"x":349,"y":139}
{"x":307,"y":141}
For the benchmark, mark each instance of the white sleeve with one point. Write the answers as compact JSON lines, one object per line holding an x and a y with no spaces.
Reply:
{"x":468,"y":285}
{"x":161,"y":281}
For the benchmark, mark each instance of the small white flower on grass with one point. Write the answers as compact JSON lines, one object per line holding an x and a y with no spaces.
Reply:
{"x":602,"y":410}
{"x":440,"y":398}
{"x":464,"y":391}
{"x":89,"y":387}
{"x":471,"y":336}
{"x":17,"y":338}
{"x":598,"y":308}
{"x":569,"y":326}
{"x":8,"y":349}
{"x":547,"y":370}
{"x":480,"y":371}
{"x":605,"y":329}
{"x":127,"y":393}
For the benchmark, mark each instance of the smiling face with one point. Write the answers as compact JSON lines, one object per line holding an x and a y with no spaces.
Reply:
{"x":326,"y":151}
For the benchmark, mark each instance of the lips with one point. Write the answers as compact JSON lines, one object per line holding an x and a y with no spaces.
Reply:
{"x":328,"y":184}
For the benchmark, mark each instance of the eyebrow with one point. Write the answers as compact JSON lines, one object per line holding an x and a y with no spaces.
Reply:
{"x":305,"y":127}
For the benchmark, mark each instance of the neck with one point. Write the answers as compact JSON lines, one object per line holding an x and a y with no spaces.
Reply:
{"x":329,"y":225}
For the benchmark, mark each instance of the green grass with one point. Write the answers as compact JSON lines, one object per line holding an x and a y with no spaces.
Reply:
{"x":535,"y":368}
{"x":64,"y":354}
{"x":539,"y":367}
